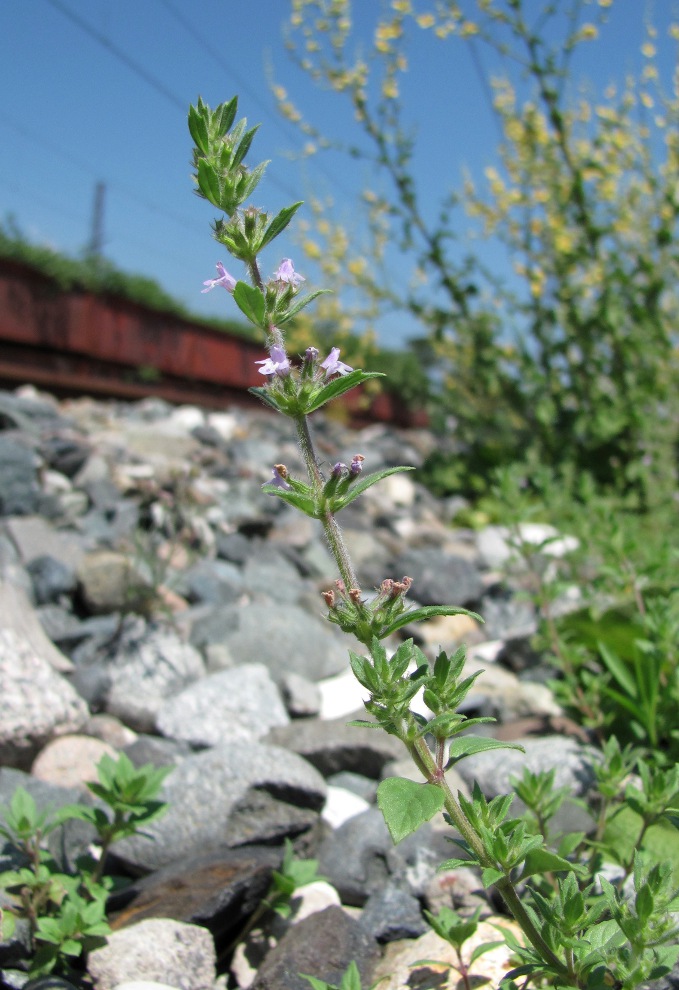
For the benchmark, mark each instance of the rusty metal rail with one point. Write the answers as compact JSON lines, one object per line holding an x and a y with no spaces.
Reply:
{"x":77,"y":343}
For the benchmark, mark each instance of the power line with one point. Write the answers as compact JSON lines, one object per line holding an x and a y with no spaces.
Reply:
{"x":67,"y":156}
{"x":218,"y":59}
{"x":118,"y":53}
{"x":140,"y":71}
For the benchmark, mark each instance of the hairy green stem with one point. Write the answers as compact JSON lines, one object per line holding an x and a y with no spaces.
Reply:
{"x":418,"y":749}
{"x":424,"y":758}
{"x":333,"y":533}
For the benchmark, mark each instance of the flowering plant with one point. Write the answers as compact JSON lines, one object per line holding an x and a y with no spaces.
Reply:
{"x":580,"y":931}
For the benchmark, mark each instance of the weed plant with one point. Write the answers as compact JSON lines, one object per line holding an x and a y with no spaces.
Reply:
{"x":582,"y":926}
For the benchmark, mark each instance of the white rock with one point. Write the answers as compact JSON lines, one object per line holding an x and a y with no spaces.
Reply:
{"x":144,"y":985}
{"x":495,"y":543}
{"x":187,"y":417}
{"x":71,"y":761}
{"x":224,"y":423}
{"x":341,"y":695}
{"x":36,"y":703}
{"x":341,"y":805}
{"x":158,"y":950}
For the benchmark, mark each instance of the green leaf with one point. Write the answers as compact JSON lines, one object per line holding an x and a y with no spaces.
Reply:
{"x":454,"y":864}
{"x":406,"y":805}
{"x":481,"y":950}
{"x":490,"y":875}
{"x":544,"y":861}
{"x":250,"y":301}
{"x":299,"y":304}
{"x":7,"y":924}
{"x":299,"y":500}
{"x":424,"y":613}
{"x":470,"y":745}
{"x":619,"y":669}
{"x":338,"y":386}
{"x":267,"y":396}
{"x":279,"y":223}
{"x":244,"y":146}
{"x":225,"y":114}
{"x":208,"y":181}
{"x":362,"y":483}
{"x":351,"y":980}
{"x":198,"y":130}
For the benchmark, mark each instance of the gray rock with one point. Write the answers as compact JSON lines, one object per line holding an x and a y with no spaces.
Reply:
{"x":270,"y":575}
{"x":392,"y":913}
{"x":240,"y":704}
{"x":234,"y":547}
{"x":571,"y":760}
{"x":356,"y":783}
{"x":439,"y":578}
{"x":213,"y":581}
{"x":157,"y":949}
{"x":332,"y":746}
{"x":276,"y":635}
{"x":110,"y":582}
{"x":360,"y":857}
{"x":148,"y":665}
{"x":157,"y":751}
{"x":19,"y":488}
{"x":34,"y":537}
{"x":68,"y":842}
{"x":506,"y":616}
{"x":36,"y":703}
{"x":321,"y":945}
{"x":51,"y":579}
{"x":218,"y":889}
{"x":207,"y":792}
{"x":302,"y":698}
{"x":64,"y":452}
{"x":18,"y":615}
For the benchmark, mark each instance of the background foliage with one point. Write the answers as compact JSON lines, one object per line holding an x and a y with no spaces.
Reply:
{"x":576,"y":360}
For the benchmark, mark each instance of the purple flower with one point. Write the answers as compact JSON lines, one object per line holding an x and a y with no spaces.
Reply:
{"x":278,"y":479}
{"x":338,"y":469}
{"x":356,"y":465}
{"x":286,"y":273}
{"x":276,"y":364}
{"x":225,"y":280}
{"x":311,"y":354}
{"x":333,"y":366}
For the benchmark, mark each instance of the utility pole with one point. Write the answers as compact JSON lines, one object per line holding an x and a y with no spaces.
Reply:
{"x":96,"y":242}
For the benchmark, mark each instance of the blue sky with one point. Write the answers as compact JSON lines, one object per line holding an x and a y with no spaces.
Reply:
{"x":97,"y":90}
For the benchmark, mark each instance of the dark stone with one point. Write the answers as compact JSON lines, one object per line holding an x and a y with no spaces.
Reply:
{"x":212,"y":796}
{"x":332,"y":746}
{"x":157,"y":751}
{"x":69,"y":841}
{"x":321,"y":945}
{"x":65,"y":454}
{"x":393,"y":913}
{"x":19,"y":490}
{"x":360,"y":858}
{"x":235,"y":547}
{"x":51,"y":579}
{"x":439,"y":577}
{"x":218,"y":890}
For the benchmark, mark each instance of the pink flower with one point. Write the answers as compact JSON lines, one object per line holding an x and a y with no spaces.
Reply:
{"x":227,"y":281}
{"x":279,"y":475}
{"x":276,"y":364}
{"x":333,"y":366}
{"x":286,"y":273}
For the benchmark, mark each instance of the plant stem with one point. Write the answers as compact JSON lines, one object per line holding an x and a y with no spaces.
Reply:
{"x":505,"y":886}
{"x":419,"y":749}
{"x":331,"y":527}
